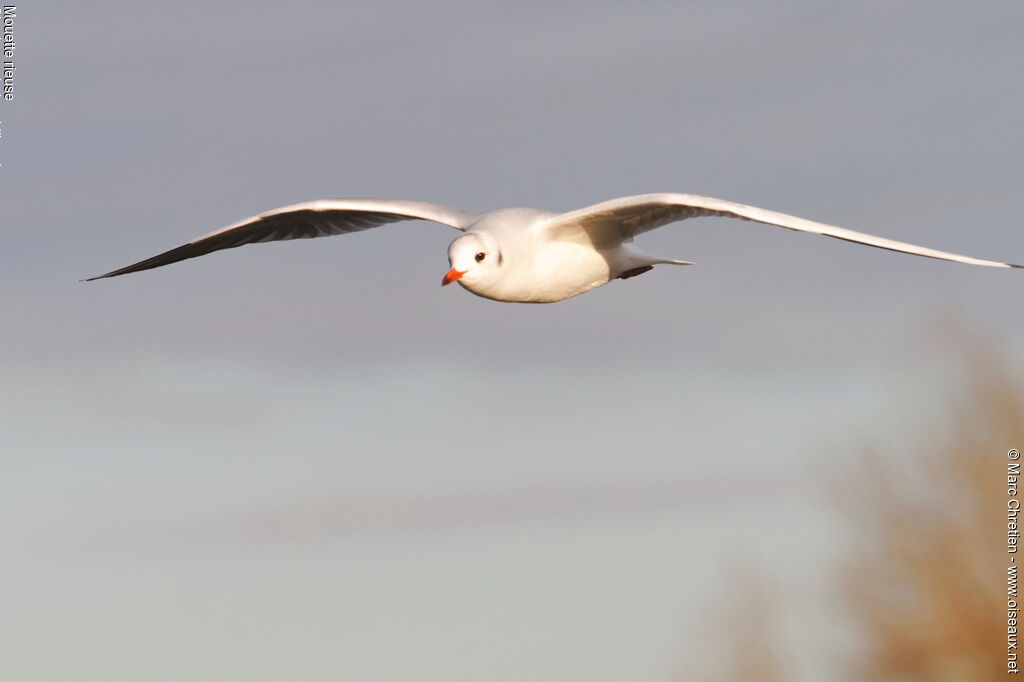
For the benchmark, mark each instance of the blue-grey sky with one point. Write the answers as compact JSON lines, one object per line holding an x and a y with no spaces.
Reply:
{"x":308,"y":460}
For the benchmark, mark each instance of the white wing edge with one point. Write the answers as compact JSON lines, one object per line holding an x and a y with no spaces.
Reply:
{"x":414,"y":210}
{"x":406,"y":209}
{"x":761,"y":215}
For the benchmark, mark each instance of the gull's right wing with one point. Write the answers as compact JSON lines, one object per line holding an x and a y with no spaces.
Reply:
{"x":321,"y":218}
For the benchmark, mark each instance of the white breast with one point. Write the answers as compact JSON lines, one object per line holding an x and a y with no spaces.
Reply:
{"x":559,"y":270}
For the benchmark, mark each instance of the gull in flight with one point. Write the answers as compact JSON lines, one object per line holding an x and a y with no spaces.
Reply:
{"x":522,"y":254}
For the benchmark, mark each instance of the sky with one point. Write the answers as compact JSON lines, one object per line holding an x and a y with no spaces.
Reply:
{"x":308,"y":459}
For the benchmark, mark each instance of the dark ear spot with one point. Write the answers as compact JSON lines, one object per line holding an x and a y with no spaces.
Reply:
{"x":500,"y":258}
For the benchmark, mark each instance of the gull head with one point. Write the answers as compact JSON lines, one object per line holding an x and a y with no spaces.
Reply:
{"x":475,"y":262}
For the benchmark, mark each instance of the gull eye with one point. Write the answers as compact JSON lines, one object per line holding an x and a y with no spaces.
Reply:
{"x":480,"y":256}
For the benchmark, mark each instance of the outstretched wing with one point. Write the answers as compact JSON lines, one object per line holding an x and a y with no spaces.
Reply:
{"x":613,"y":222}
{"x":303,"y":221}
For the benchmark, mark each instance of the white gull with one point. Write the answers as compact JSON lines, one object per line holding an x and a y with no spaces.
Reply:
{"x":522,"y":254}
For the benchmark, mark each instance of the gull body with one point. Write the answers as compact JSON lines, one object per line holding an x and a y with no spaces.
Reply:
{"x":523,"y":255}
{"x":527,"y":267}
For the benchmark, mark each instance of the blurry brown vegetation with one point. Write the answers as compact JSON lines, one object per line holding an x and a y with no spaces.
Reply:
{"x":921,"y":588}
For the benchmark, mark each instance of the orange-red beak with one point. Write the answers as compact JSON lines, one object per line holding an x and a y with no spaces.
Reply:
{"x":452,"y":276}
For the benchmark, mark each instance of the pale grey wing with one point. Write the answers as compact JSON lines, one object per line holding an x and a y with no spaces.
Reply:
{"x":613,"y":222}
{"x":321,"y":218}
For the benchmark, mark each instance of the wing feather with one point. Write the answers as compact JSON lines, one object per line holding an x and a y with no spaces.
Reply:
{"x":619,"y":220}
{"x":307,"y":220}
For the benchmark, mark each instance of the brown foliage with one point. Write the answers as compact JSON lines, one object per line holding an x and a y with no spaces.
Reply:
{"x":926,"y":587}
{"x":922,"y":584}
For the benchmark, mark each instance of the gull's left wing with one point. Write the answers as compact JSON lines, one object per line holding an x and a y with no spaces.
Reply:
{"x":619,"y":220}
{"x":322,"y":218}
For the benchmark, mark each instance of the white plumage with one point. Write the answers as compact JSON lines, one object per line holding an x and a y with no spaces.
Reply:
{"x":523,"y":254}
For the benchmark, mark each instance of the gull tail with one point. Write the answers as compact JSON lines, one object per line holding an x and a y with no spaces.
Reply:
{"x":647,"y":264}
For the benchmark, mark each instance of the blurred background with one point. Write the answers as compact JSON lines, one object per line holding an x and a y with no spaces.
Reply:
{"x":308,"y":461}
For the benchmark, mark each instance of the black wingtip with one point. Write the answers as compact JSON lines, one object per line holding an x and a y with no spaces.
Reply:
{"x":1014,"y":265}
